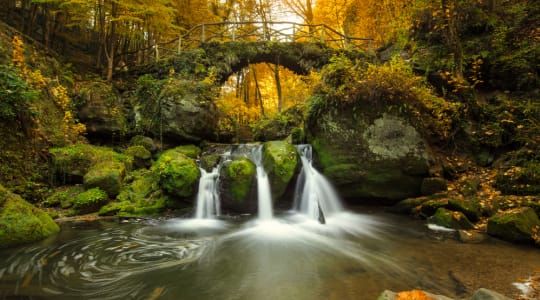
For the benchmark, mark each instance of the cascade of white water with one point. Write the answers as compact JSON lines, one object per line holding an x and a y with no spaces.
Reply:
{"x":208,"y":204}
{"x":314,"y":194}
{"x":264,"y":193}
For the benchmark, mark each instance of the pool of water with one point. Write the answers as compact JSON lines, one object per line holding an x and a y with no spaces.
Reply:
{"x":353,"y":256}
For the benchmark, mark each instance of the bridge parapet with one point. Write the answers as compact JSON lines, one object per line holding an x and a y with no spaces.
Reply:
{"x":262,"y":31}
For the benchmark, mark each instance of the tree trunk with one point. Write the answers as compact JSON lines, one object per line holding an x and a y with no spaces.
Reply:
{"x":258,"y":94}
{"x":278,"y":88}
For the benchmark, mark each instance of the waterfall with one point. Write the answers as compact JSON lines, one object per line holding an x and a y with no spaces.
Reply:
{"x":314,"y":195}
{"x":208,"y":204}
{"x":264,"y":193}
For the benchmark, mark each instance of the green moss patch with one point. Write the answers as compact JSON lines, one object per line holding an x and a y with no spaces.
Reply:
{"x":241,"y":173}
{"x":107,"y":175}
{"x":90,"y":200}
{"x":514,"y":225}
{"x":280,"y":161}
{"x":21,"y":222}
{"x":177,"y":172}
{"x":451,"y":219}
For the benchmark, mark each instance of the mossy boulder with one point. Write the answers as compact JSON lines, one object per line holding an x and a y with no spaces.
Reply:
{"x":450,"y":219}
{"x":408,"y":206}
{"x":146,"y":142}
{"x":208,"y":162}
{"x":186,"y":110}
{"x":90,"y":200}
{"x":515,"y":225}
{"x":369,"y":153}
{"x":190,"y":151}
{"x":432,"y":185}
{"x":431,"y":206}
{"x":280,"y":162}
{"x":140,"y":196}
{"x":178,"y":174}
{"x":142,"y":158}
{"x":73,"y":162}
{"x":102,"y":112}
{"x":21,"y":222}
{"x":237,"y":185}
{"x":469,"y":206}
{"x":107,"y":175}
{"x":63,"y":196}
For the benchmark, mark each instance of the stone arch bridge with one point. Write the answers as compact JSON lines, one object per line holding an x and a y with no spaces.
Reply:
{"x":225,"y":48}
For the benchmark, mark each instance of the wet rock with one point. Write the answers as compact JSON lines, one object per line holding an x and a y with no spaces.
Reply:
{"x":515,"y":225}
{"x":450,"y":219}
{"x":433,"y":185}
{"x":469,"y":206}
{"x":280,"y":162}
{"x":429,"y":208}
{"x":21,"y":222}
{"x":178,"y":174}
{"x":237,"y":185}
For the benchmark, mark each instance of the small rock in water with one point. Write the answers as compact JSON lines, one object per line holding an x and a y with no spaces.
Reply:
{"x":485,"y":294}
{"x":471,"y":236}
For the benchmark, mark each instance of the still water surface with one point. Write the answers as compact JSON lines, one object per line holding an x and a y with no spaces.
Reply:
{"x":353,"y":256}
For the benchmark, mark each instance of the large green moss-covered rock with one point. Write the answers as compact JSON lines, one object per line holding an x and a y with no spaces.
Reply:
{"x":90,"y":200}
{"x":73,"y":162}
{"x":103,"y":111}
{"x":21,"y":222}
{"x":450,"y":219}
{"x":106,"y":175}
{"x":184,"y":111}
{"x":469,"y":206}
{"x":237,"y":185}
{"x":368,"y":152}
{"x":178,"y":174}
{"x":142,"y":158}
{"x":279,"y":161}
{"x":140,"y":196}
{"x":190,"y":151}
{"x":514,"y":225}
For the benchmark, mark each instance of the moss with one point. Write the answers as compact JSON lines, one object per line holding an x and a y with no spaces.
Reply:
{"x":90,"y":200}
{"x":107,"y":175}
{"x":208,"y":162}
{"x":521,"y":179}
{"x":430,"y":207}
{"x":63,"y":196}
{"x":280,"y":161}
{"x":241,"y":173}
{"x":73,"y":162}
{"x":514,"y":225}
{"x":141,"y":197}
{"x":470,"y":207}
{"x":178,"y":173}
{"x":451,"y":219}
{"x":21,"y":222}
{"x":144,"y":141}
{"x":141,"y":156}
{"x":190,"y":151}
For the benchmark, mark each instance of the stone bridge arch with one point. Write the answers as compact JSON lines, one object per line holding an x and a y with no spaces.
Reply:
{"x":223,"y":59}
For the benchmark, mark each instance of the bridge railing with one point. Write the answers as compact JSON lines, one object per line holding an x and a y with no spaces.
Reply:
{"x":262,"y":31}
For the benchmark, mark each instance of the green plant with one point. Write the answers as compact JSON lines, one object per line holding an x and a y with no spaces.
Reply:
{"x":15,"y":94}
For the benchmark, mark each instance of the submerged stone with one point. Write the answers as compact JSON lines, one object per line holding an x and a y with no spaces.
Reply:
{"x":485,"y":294}
{"x":515,"y":225}
{"x":21,"y":222}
